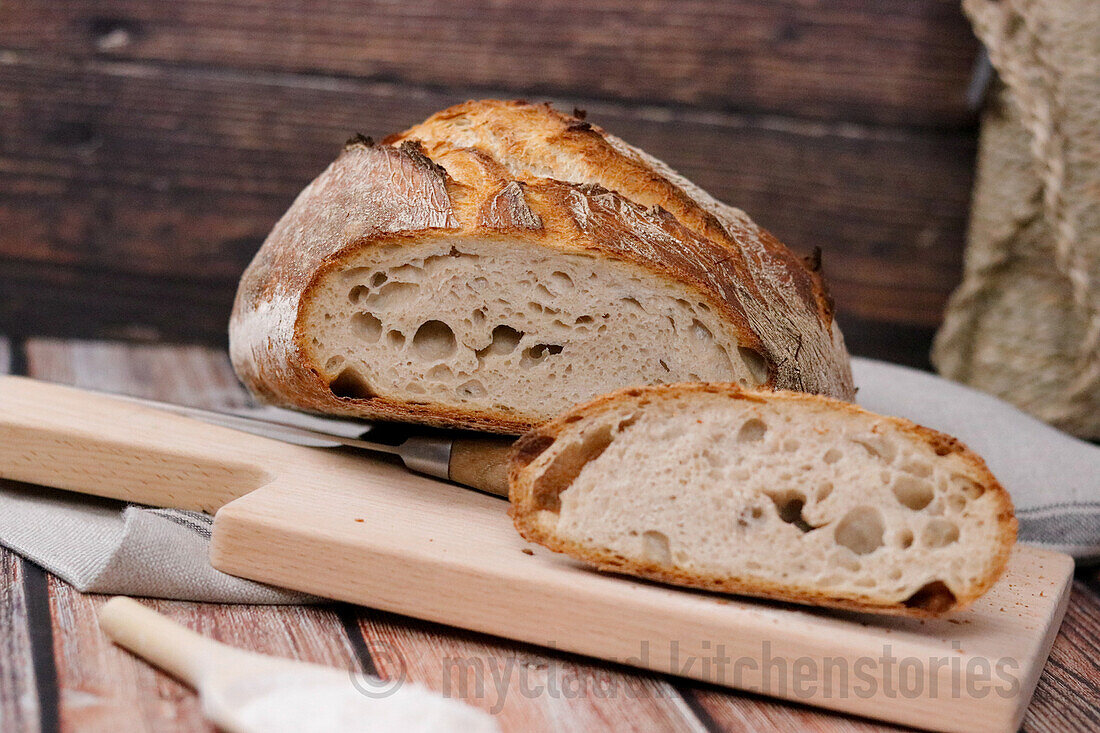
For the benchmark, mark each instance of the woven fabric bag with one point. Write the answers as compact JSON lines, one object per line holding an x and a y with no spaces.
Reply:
{"x":1025,"y":322}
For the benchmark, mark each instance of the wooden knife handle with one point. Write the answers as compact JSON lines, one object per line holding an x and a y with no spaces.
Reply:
{"x":482,"y":463}
{"x":72,"y":439}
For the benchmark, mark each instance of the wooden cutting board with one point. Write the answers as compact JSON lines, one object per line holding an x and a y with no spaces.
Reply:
{"x":358,"y":529}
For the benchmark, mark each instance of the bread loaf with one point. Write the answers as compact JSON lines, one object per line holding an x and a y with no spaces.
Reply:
{"x":502,"y":262}
{"x":774,"y":494}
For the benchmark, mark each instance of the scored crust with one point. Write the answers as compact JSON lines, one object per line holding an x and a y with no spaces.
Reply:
{"x":785,"y":301}
{"x":526,"y":504}
{"x":413,"y":191}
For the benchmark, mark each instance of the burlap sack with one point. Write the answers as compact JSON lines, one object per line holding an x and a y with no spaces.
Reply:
{"x":1025,"y":322}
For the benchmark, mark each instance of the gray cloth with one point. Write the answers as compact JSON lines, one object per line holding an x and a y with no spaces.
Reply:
{"x":103,"y":546}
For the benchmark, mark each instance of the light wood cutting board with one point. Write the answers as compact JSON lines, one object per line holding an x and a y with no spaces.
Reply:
{"x":358,"y":529}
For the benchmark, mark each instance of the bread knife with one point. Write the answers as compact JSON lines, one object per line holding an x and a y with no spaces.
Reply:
{"x":473,"y":460}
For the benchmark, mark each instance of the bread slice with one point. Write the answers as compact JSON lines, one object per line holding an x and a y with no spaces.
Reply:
{"x":780,"y":495}
{"x":479,"y":272}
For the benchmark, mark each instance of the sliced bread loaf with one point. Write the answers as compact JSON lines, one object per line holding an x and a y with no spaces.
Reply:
{"x":781,"y":495}
{"x":478,"y":271}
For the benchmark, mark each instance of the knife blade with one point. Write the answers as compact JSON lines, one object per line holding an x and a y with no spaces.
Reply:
{"x":476,"y":461}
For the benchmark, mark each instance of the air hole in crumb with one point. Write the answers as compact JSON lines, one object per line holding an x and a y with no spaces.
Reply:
{"x":626,"y":422}
{"x":535,"y":354}
{"x":334,"y":363}
{"x":876,"y":447}
{"x":567,"y":465}
{"x":752,"y":431}
{"x":917,"y":468}
{"x":700,"y":331}
{"x":366,"y":326}
{"x":939,"y":533}
{"x":913,"y":492}
{"x":824,"y":490}
{"x":934,"y":597}
{"x":656,"y":547}
{"x":861,"y":530}
{"x":440,"y":372}
{"x":472,"y":388}
{"x":395,"y":339}
{"x":756,"y":364}
{"x":970,"y":488}
{"x":359,"y":291}
{"x":504,"y":341}
{"x":633,"y":304}
{"x":561,"y":281}
{"x":378,"y":278}
{"x":788,"y":505}
{"x":663,"y":365}
{"x":392,"y":296}
{"x":583,"y":319}
{"x":434,"y":340}
{"x":905,"y":539}
{"x":350,"y":384}
{"x":832,"y":456}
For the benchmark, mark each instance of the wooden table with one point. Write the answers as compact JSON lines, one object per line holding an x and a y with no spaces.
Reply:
{"x":57,"y":672}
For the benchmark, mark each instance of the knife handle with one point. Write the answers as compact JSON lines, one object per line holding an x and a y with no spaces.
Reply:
{"x":73,"y":439}
{"x":481,"y":463}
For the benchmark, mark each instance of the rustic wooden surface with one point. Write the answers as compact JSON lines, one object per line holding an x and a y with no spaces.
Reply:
{"x":53,"y":659}
{"x":173,"y":135}
{"x":891,"y":61}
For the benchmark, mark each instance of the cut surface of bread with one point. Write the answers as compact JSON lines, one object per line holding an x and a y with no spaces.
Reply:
{"x":497,"y":325}
{"x":780,"y":495}
{"x":503,"y":262}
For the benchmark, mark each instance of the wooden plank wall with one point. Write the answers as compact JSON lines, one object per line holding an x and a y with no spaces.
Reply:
{"x":147,"y":147}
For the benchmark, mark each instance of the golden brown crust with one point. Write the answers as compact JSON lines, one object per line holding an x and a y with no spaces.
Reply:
{"x":525,"y":505}
{"x":783,"y":301}
{"x":412,"y":191}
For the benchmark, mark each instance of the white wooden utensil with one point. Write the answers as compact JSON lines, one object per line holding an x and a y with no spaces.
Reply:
{"x":246,"y":692}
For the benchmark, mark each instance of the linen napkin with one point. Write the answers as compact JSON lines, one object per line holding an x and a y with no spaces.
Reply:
{"x":104,"y":546}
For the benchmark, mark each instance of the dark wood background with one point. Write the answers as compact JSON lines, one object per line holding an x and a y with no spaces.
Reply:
{"x":146,"y":148}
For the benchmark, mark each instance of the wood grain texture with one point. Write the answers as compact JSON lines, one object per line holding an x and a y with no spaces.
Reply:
{"x":122,"y":164}
{"x":1068,"y":694}
{"x":112,"y":681}
{"x":745,"y":712}
{"x":102,"y":687}
{"x":18,"y":691}
{"x":77,"y":440}
{"x":39,"y":298}
{"x":527,"y":688}
{"x":187,"y":375}
{"x":369,"y":533}
{"x":893,"y":61}
{"x":1065,"y":697}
